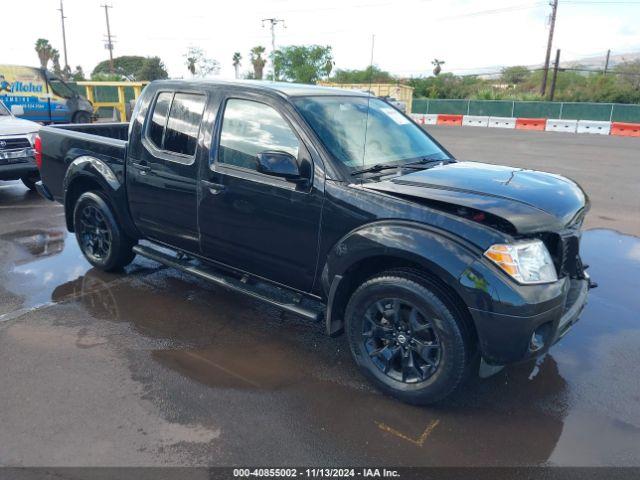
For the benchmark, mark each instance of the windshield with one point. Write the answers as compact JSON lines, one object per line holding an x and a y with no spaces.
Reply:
{"x":342,"y":124}
{"x":3,"y":110}
{"x":60,"y":88}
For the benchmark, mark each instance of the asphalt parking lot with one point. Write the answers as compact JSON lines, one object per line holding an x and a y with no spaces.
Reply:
{"x":154,"y":367}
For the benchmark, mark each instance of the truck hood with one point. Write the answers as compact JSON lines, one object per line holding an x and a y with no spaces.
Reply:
{"x":530,"y":201}
{"x":10,"y":125}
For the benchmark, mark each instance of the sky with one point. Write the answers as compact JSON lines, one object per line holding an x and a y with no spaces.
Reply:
{"x":469,"y":35}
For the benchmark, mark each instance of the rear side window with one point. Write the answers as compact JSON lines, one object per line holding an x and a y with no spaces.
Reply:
{"x":159,"y":118}
{"x":175,"y":122}
{"x":181,"y":135}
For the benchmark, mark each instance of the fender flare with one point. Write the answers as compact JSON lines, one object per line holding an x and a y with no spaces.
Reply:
{"x":98,"y":171}
{"x":440,"y":253}
{"x":96,"y":168}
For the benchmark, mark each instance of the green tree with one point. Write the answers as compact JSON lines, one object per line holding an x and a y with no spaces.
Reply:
{"x":515,"y":75}
{"x":198,"y":64}
{"x":237,"y":57}
{"x":78,"y":74}
{"x":258,"y":61}
{"x":437,"y":66}
{"x":55,"y":58}
{"x":131,"y":67}
{"x":629,"y":74}
{"x":152,"y":69}
{"x":371,"y":74}
{"x":303,"y":63}
{"x":45,"y":51}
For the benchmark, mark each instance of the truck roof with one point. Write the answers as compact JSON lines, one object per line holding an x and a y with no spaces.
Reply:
{"x":283,"y":88}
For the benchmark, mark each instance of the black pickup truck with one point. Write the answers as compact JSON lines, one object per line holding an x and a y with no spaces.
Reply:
{"x":332,"y":205}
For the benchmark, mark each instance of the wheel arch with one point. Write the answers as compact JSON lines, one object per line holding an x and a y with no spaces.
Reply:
{"x":87,"y":173}
{"x":382,"y":246}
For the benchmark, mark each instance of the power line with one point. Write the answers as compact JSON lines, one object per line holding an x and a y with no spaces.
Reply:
{"x":578,"y":2}
{"x":494,"y":11}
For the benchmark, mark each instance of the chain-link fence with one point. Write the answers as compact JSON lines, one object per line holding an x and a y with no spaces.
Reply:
{"x":615,"y":112}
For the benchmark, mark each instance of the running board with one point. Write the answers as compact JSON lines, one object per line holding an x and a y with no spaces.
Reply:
{"x":272,"y":295}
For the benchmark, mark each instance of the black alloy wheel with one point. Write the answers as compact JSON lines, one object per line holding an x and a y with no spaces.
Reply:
{"x":401,"y":340}
{"x":94,"y":234}
{"x":408,"y":336}
{"x":102,"y":239}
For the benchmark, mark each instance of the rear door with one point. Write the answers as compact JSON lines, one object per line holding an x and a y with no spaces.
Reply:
{"x":162,"y":172}
{"x":255,"y":222}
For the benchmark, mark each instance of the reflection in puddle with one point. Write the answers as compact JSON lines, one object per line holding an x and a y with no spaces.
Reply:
{"x":254,"y":366}
{"x":36,"y":243}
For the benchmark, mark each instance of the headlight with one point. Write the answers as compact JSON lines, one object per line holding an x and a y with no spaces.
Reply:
{"x":526,"y":262}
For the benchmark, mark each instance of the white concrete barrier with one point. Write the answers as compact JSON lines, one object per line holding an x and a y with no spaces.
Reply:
{"x":475,"y":121}
{"x":502,"y":122}
{"x":425,"y":118}
{"x":558,"y":125}
{"x":591,"y":126}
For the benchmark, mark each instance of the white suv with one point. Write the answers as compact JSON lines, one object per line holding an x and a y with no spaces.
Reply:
{"x":17,"y":155}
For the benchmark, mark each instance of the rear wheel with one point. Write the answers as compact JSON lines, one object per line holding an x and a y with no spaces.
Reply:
{"x":406,"y":337}
{"x":29,"y":181}
{"x":102,"y":241}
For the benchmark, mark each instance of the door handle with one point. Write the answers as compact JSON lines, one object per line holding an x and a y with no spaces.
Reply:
{"x":214,"y":188}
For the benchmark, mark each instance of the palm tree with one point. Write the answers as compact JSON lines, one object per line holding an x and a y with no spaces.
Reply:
{"x":236,"y":63}
{"x":257,"y":61}
{"x":45,"y":51}
{"x":55,"y":58}
{"x":437,"y":68}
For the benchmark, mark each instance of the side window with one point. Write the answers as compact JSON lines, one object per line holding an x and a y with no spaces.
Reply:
{"x":183,"y":126}
{"x":159,"y":118}
{"x":249,"y":128}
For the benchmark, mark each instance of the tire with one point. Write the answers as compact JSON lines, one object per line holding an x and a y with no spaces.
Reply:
{"x":102,"y":241}
{"x":82,"y":117}
{"x":407,"y":338}
{"x":30,"y":181}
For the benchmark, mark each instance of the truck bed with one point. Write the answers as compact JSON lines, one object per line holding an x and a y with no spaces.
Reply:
{"x":62,"y":144}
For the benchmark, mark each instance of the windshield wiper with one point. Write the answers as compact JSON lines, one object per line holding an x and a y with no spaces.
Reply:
{"x":427,"y":161}
{"x":375,"y":168}
{"x":415,"y":164}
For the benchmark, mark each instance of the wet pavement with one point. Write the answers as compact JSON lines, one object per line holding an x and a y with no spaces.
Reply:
{"x":153,"y":367}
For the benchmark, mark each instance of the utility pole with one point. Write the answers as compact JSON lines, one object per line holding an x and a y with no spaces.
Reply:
{"x":606,"y":62}
{"x":109,"y":44}
{"x":556,"y":67}
{"x":274,"y":22}
{"x":64,"y":38}
{"x":552,"y":26}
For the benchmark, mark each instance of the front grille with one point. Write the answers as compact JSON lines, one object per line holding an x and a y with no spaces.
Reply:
{"x":565,"y":251}
{"x":13,"y":143}
{"x":570,"y":263}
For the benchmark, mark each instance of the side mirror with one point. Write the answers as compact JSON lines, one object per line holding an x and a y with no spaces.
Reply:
{"x":278,"y":164}
{"x":17,"y":110}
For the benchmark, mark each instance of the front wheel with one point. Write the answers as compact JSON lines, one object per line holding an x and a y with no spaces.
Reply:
{"x":406,"y":337}
{"x":102,"y":241}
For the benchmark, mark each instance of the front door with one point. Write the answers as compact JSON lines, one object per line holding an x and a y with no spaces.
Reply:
{"x":259,"y":223}
{"x":162,"y":172}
